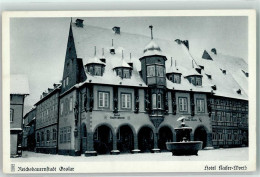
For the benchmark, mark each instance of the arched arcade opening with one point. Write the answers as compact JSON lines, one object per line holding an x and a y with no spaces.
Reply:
{"x":200,"y":134}
{"x":125,"y":139}
{"x":103,"y":140}
{"x":145,"y":139}
{"x":165,"y":135}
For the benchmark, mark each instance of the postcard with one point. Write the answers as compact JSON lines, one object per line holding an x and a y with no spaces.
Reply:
{"x":129,"y":91}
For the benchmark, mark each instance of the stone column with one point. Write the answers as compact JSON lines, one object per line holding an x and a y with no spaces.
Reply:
{"x":90,"y":145}
{"x":155,"y":143}
{"x":135,"y":150}
{"x":115,"y":151}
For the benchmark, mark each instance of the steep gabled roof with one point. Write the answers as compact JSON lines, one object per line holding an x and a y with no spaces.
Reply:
{"x":227,"y":84}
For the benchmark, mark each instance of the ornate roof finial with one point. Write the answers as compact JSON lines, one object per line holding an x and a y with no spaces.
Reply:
{"x":192,"y":63}
{"x":171,"y":61}
{"x":112,"y":42}
{"x":122,"y":54}
{"x":102,"y":51}
{"x":130,"y":57}
{"x":175,"y":63}
{"x":151,"y":27}
{"x":95,"y":51}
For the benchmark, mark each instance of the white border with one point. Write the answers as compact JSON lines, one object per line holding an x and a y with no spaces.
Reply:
{"x":132,"y":167}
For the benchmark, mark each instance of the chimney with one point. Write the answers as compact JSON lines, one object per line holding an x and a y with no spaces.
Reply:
{"x":130,"y":62}
{"x":112,"y":49}
{"x":214,"y":51}
{"x":79,"y":23}
{"x":186,"y":43}
{"x":116,"y":29}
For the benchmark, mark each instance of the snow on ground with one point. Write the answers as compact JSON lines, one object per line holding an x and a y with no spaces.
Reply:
{"x":231,"y":154}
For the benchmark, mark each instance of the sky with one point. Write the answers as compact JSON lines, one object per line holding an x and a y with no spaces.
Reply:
{"x":38,"y":45}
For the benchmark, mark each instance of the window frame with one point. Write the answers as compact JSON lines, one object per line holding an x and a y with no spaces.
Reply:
{"x":104,"y":101}
{"x":183,"y":103}
{"x":11,"y":115}
{"x":199,"y":106}
{"x":123,"y":94}
{"x":151,"y":71}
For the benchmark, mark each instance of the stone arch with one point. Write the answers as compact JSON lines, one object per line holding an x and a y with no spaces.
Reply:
{"x":127,"y":124}
{"x":146,"y":138}
{"x":83,"y":138}
{"x":125,"y":138}
{"x":165,"y":135}
{"x":103,"y":138}
{"x":106,"y":124}
{"x":201,"y":134}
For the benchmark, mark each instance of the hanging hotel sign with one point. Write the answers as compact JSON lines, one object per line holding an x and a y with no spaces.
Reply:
{"x":117,"y":116}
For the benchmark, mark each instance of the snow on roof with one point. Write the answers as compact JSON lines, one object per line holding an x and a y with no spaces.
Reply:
{"x":19,"y":84}
{"x":95,"y":60}
{"x":89,"y":36}
{"x":152,"y":48}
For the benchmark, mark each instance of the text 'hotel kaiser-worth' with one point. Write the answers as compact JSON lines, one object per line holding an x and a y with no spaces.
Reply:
{"x":124,"y":92}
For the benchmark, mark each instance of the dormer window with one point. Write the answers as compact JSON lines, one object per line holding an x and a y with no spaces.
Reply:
{"x":239,"y":91}
{"x":97,"y":70}
{"x":116,"y":29}
{"x":177,"y":78}
{"x":123,"y":73}
{"x":195,"y":80}
{"x":126,"y":73}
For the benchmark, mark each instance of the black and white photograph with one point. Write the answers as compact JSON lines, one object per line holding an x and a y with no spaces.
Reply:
{"x":116,"y":91}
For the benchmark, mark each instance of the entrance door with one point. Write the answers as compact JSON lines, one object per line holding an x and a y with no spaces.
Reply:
{"x":200,"y":134}
{"x":165,"y":135}
{"x":103,"y":140}
{"x":145,"y":139}
{"x":125,"y":142}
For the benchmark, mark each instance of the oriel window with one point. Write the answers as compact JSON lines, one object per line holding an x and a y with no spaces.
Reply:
{"x":150,"y":71}
{"x":160,"y":71}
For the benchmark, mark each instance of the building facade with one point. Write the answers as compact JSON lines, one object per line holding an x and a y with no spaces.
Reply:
{"x":128,"y":97}
{"x":46,"y":124}
{"x":110,"y":103}
{"x":19,"y":90}
{"x":29,"y":130}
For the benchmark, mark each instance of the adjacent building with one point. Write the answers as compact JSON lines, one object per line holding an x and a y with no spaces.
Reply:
{"x":29,"y":130}
{"x":19,"y":89}
{"x":46,"y":125}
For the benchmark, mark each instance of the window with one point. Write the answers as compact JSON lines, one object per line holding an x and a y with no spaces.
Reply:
{"x":91,"y":69}
{"x":103,"y":98}
{"x":119,"y":72}
{"x":228,"y":117}
{"x":61,"y":135}
{"x":11,"y":115}
{"x":64,"y":135}
{"x":200,"y":105}
{"x":69,"y":133}
{"x":38,"y":137}
{"x":154,"y":101}
{"x":160,"y":71}
{"x":126,"y":101}
{"x":176,"y":78}
{"x":126,"y":73}
{"x":150,"y":71}
{"x":97,"y":70}
{"x":183,"y":104}
{"x":54,"y":134}
{"x":48,"y":136}
{"x":61,"y":108}
{"x":64,"y":83}
{"x":198,"y":81}
{"x":159,"y":101}
{"x":192,"y":80}
{"x":42,"y":136}
{"x":170,"y":78}
{"x":71,"y":103}
{"x":67,"y":81}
